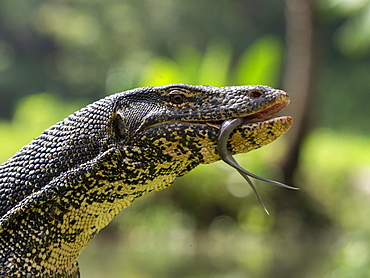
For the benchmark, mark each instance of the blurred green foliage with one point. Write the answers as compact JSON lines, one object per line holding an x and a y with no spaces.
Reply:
{"x":260,"y":63}
{"x":353,"y":36}
{"x":209,"y":223}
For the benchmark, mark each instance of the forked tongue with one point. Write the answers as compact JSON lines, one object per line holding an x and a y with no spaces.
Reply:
{"x":226,"y":129}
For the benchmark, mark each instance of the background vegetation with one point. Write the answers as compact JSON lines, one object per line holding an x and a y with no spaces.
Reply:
{"x":57,"y":56}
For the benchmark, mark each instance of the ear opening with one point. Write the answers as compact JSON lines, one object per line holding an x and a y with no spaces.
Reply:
{"x":119,"y":127}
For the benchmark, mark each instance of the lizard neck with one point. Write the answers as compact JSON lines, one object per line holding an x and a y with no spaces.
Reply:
{"x":61,"y":226}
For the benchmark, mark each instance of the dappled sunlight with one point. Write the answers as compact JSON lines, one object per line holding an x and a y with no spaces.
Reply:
{"x":359,"y":177}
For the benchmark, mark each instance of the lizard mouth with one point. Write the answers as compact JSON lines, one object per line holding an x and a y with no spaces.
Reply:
{"x":264,"y":115}
{"x":260,"y":116}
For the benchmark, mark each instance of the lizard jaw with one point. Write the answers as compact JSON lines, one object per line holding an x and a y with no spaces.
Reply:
{"x":265,"y":115}
{"x":260,"y":116}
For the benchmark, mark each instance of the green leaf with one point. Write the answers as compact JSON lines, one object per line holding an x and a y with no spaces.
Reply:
{"x":260,"y":63}
{"x":215,"y":65}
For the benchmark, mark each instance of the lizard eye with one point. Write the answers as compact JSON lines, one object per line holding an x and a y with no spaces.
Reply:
{"x":177,"y":97}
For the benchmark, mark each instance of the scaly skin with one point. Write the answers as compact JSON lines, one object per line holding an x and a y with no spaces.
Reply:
{"x":58,"y":191}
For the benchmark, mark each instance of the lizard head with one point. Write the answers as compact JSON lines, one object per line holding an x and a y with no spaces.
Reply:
{"x":183,"y":121}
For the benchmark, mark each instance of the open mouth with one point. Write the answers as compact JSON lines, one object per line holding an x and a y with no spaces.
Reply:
{"x":260,"y":116}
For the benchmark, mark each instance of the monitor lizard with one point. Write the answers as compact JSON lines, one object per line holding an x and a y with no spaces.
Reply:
{"x":58,"y":191}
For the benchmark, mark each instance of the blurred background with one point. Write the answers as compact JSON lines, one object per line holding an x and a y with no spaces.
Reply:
{"x":57,"y":56}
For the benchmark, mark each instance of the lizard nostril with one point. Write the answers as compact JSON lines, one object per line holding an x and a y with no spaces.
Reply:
{"x":254,"y":94}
